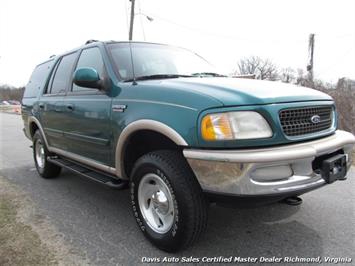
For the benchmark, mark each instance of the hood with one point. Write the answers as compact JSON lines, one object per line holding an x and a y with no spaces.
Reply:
{"x":236,"y":91}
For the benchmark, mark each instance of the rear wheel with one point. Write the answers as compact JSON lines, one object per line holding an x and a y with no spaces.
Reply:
{"x":167,"y":200}
{"x":45,"y":168}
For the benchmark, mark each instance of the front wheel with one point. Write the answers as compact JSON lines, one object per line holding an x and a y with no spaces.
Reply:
{"x":167,"y":200}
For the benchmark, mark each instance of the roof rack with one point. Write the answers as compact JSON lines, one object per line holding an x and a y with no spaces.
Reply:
{"x":91,"y":41}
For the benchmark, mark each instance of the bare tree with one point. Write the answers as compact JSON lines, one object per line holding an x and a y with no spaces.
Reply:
{"x":288,"y":75}
{"x":261,"y":68}
{"x":303,"y":79}
{"x":344,"y":96}
{"x":11,"y":93}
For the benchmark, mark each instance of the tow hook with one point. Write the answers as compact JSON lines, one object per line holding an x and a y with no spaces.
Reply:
{"x":293,"y":201}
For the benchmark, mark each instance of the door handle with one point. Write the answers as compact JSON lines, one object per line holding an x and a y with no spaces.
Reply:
{"x":70,"y":107}
{"x":41,"y":105}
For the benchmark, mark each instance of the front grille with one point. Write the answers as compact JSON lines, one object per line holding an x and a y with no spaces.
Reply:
{"x":297,"y":121}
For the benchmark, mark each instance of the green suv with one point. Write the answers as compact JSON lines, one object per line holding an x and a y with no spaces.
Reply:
{"x":159,"y":120}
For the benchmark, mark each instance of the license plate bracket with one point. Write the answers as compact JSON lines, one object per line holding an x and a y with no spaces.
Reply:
{"x":334,"y":168}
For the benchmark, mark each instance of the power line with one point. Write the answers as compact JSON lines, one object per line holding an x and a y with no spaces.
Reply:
{"x":238,"y":38}
{"x":140,"y":18}
{"x":337,"y":62}
{"x":233,"y":37}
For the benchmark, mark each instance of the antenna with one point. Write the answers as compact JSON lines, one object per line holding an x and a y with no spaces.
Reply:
{"x":133,"y":74}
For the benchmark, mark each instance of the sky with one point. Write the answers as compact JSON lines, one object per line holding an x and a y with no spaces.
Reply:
{"x":222,"y":31}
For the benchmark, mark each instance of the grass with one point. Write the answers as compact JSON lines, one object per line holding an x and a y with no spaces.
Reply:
{"x":19,"y":244}
{"x":27,"y":237}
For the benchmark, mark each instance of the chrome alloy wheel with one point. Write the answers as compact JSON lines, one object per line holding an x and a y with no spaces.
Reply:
{"x":40,"y":155}
{"x":156,"y":203}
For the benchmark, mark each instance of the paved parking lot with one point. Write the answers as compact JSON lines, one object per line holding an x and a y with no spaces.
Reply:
{"x":97,"y":221}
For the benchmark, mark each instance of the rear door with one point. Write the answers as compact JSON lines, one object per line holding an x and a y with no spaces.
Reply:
{"x":87,"y":112}
{"x":32,"y":92}
{"x":51,"y":102}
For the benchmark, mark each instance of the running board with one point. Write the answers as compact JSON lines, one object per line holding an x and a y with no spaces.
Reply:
{"x":93,"y":174}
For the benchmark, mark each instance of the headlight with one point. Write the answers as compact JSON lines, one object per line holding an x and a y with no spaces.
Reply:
{"x":235,"y":125}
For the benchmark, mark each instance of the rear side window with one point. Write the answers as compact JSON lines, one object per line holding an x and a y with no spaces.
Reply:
{"x":37,"y":80}
{"x":90,"y":58}
{"x":63,"y":74}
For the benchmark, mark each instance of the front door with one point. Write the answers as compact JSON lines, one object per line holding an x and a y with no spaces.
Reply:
{"x":87,"y":127}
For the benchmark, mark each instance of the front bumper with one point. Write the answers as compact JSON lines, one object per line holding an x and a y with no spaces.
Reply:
{"x":285,"y":170}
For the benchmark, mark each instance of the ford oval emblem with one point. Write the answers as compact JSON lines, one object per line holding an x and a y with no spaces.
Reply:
{"x":315,"y":119}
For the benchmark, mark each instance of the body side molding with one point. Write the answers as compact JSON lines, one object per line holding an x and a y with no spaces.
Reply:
{"x":84,"y":160}
{"x":73,"y":156}
{"x":144,"y":124}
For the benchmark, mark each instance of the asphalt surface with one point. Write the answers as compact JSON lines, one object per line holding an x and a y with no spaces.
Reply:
{"x":98,"y":221}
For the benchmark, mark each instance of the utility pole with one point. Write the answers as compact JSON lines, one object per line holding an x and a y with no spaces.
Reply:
{"x":132,"y":21}
{"x":310,"y":56}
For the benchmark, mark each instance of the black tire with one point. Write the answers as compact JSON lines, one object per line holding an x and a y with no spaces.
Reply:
{"x":190,"y":205}
{"x":45,"y":169}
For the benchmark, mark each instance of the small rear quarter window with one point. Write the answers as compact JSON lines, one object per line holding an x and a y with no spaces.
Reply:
{"x":37,"y":80}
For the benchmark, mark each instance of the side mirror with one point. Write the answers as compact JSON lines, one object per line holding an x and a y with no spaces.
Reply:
{"x":87,"y":77}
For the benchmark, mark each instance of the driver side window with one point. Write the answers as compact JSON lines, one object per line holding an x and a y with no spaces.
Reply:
{"x":90,"y":57}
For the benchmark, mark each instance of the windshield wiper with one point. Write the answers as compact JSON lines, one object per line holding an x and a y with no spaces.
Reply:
{"x":158,"y":76}
{"x":208,"y":74}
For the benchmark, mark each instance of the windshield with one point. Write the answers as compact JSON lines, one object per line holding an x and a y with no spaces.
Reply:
{"x":157,"y":61}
